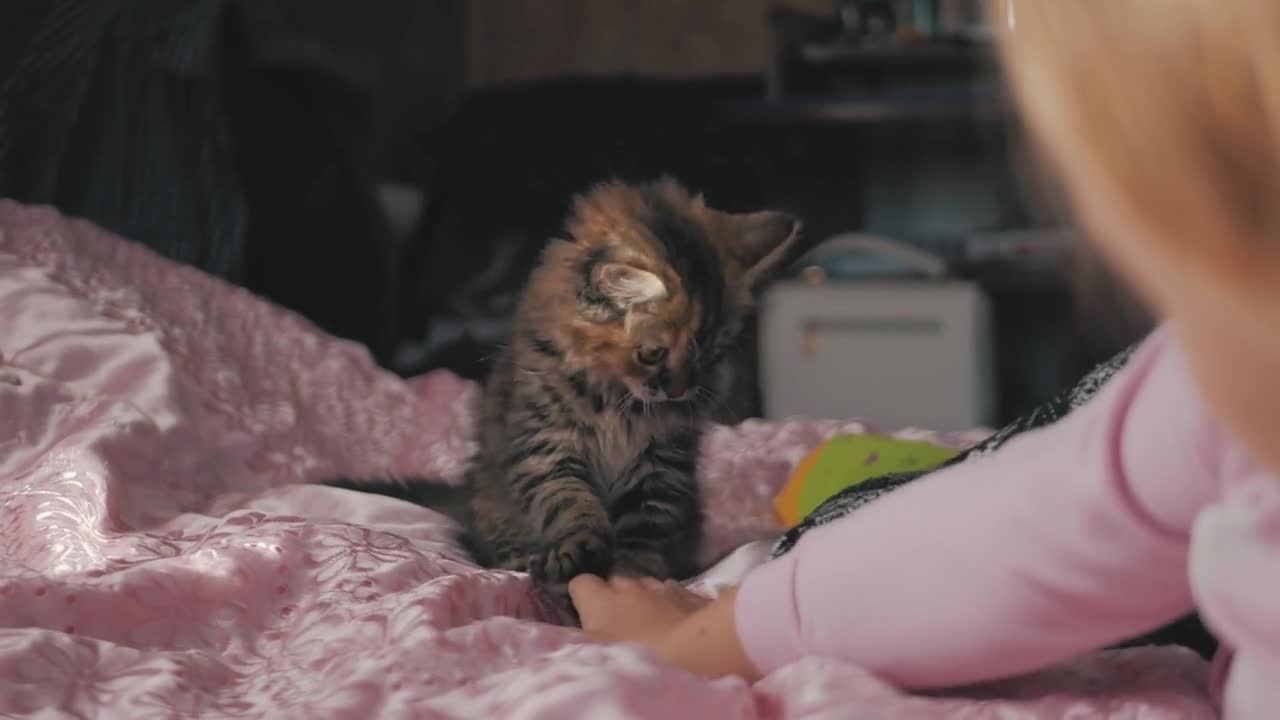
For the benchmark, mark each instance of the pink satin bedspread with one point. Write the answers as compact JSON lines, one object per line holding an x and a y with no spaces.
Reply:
{"x":159,"y":557}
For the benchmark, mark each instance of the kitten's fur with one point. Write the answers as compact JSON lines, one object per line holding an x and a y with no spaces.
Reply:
{"x":591,"y":418}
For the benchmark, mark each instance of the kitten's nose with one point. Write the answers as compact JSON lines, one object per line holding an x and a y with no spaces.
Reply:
{"x":678,"y":384}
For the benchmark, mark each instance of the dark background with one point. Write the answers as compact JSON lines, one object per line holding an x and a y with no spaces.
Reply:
{"x":390,"y":168}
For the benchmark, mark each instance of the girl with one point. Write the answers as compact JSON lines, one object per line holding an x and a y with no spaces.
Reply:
{"x":1160,"y":495}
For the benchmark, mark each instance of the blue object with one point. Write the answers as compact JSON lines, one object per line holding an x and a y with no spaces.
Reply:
{"x":860,"y":255}
{"x":864,"y":263}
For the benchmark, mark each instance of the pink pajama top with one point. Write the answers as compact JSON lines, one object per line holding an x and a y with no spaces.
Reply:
{"x":1125,"y":515}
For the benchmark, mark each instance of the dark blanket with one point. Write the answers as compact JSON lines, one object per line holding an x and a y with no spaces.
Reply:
{"x":212,"y":133}
{"x":1187,"y":631}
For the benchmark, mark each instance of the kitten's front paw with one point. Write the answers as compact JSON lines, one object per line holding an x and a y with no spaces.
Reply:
{"x":578,"y":554}
{"x":642,"y":564}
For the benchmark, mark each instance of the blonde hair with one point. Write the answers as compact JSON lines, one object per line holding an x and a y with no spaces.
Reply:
{"x":1172,"y":107}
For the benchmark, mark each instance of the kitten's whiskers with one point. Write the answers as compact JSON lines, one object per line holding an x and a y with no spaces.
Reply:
{"x":532,"y":373}
{"x":704,"y":393}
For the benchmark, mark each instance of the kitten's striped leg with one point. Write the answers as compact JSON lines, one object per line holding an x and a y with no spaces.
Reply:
{"x":657,"y":517}
{"x":553,"y":490}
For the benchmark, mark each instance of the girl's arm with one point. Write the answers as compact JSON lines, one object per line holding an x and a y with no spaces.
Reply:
{"x":706,"y":642}
{"x":1065,"y":540}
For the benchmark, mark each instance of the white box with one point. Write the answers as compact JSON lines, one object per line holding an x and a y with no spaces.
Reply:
{"x":897,"y":353}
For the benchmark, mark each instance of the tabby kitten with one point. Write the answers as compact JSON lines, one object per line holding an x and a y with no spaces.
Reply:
{"x":591,"y":417}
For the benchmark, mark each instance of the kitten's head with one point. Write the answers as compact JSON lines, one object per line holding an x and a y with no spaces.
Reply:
{"x":653,"y":286}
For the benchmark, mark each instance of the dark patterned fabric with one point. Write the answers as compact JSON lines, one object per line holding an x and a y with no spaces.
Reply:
{"x":850,"y":499}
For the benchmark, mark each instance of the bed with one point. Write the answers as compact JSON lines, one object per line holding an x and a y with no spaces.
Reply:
{"x":165,"y":555}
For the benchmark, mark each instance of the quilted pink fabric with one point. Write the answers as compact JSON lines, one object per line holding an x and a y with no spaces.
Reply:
{"x":160,"y":556}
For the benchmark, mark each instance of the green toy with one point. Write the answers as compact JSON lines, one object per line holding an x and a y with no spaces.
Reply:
{"x":846,"y":460}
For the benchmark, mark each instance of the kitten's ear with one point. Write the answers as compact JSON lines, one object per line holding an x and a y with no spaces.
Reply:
{"x":626,"y":285}
{"x":766,"y":242}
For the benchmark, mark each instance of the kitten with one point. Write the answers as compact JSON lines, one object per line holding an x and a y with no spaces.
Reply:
{"x":591,"y":417}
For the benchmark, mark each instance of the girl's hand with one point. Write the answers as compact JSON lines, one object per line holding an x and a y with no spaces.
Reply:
{"x":688,"y":631}
{"x":626,"y":609}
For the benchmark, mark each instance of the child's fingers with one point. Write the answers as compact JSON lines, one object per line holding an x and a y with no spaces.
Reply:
{"x":653,"y":584}
{"x":624,"y":583}
{"x":584,"y":587}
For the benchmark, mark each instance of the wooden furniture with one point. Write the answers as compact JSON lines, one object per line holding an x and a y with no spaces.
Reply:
{"x":827,"y":101}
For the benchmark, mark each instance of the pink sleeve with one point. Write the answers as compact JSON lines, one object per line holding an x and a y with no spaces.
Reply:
{"x":1067,"y":539}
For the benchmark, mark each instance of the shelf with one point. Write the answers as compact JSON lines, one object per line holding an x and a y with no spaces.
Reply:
{"x":923,"y":54}
{"x":860,"y":111}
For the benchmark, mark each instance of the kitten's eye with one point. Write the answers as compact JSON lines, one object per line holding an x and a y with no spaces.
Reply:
{"x":651,"y":354}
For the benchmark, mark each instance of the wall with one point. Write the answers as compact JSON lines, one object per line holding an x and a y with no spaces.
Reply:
{"x":430,"y":50}
{"x":419,"y":46}
{"x":515,"y":40}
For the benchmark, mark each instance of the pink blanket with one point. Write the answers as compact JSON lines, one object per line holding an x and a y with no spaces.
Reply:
{"x":161,"y":558}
